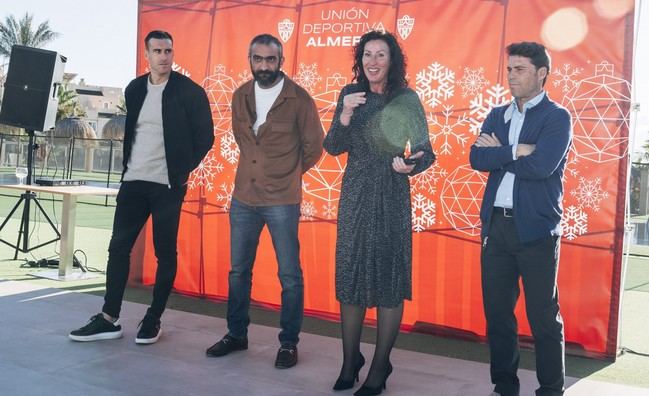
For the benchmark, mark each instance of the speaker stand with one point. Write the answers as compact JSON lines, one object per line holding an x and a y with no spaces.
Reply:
{"x":26,"y":199}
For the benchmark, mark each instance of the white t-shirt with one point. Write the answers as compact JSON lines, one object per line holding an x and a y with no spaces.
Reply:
{"x":148,"y":161}
{"x":264,"y":99}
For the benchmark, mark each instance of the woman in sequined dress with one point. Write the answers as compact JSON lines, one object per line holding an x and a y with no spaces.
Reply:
{"x":377,"y":117}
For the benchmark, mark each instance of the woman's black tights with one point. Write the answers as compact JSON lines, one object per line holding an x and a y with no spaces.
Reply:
{"x":388,"y":324}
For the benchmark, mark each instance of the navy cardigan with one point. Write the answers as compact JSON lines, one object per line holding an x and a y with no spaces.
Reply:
{"x":538,"y":187}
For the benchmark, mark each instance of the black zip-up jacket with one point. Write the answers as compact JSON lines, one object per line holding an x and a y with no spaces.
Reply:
{"x":186,"y":122}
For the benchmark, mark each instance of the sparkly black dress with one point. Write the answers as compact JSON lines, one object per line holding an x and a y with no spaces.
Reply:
{"x":374,"y":241}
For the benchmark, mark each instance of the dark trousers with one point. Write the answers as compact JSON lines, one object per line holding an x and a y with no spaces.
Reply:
{"x":504,"y":261}
{"x":137,"y":200}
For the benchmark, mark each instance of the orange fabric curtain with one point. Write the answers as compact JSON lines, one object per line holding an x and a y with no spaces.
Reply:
{"x":456,"y":63}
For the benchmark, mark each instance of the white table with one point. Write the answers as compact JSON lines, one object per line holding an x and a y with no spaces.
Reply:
{"x":69,"y":194}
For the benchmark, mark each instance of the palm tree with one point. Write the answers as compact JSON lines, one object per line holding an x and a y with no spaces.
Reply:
{"x":3,"y":78}
{"x":645,"y":155}
{"x":69,"y":106}
{"x":121,"y":107}
{"x":14,"y":31}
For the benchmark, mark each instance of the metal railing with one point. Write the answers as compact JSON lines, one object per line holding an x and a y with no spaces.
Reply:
{"x":96,"y":161}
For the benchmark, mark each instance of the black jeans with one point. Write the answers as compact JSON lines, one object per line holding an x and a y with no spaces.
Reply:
{"x":504,"y":261}
{"x":137,"y":200}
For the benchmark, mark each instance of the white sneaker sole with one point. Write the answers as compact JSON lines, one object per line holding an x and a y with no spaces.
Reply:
{"x":113,"y":335}
{"x":146,"y":341}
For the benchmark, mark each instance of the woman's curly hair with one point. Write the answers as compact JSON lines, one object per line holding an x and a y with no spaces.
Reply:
{"x":396,"y":72}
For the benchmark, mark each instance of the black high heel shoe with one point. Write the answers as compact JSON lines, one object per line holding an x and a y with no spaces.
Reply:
{"x":342,"y":384}
{"x":368,"y":391}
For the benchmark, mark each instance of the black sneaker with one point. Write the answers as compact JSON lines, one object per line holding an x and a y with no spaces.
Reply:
{"x":149,"y":330}
{"x":98,"y":328}
{"x":226,"y":345}
{"x":286,"y":356}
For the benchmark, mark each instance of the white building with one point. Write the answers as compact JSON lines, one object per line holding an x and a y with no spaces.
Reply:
{"x":99,"y":103}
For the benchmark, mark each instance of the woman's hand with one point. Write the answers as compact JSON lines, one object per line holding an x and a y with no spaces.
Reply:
{"x":351,"y":102}
{"x":399,"y":166}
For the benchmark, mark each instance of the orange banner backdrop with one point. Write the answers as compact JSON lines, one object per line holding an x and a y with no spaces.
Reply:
{"x":456,"y":63}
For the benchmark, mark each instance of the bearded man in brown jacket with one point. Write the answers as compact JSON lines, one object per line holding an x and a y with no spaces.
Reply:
{"x":276,"y":125}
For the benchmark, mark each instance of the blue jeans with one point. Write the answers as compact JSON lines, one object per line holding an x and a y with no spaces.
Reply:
{"x":246,"y":223}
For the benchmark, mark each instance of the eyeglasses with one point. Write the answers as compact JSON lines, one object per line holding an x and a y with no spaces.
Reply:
{"x":268,"y":59}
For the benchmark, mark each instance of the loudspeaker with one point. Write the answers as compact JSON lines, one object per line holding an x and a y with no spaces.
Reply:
{"x":30,"y":96}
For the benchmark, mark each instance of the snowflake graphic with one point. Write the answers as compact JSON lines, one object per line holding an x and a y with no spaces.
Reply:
{"x":480,"y":107}
{"x":229,"y":148}
{"x":427,"y":180}
{"x":589,"y":193}
{"x":204,"y":174}
{"x":423,"y":213}
{"x":572,"y":163}
{"x":447,"y":129}
{"x":435,"y":83}
{"x":565,"y":77}
{"x":472,"y":81}
{"x":178,"y":68}
{"x":224,"y":195}
{"x":574,"y":222}
{"x":308,"y":76}
{"x":329,"y":210}
{"x":307,"y":210}
{"x":244,"y":77}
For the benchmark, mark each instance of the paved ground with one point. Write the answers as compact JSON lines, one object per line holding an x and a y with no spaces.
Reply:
{"x":39,"y":359}
{"x":22,"y":324}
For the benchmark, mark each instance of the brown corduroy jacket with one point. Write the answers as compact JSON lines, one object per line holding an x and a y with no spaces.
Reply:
{"x":287,"y":145}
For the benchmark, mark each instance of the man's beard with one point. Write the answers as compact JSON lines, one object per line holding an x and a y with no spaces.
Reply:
{"x":266,"y":78}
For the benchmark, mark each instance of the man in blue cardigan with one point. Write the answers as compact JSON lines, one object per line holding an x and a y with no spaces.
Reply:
{"x":524,"y":147}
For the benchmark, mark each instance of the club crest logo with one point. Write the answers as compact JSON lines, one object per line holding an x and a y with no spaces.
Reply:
{"x":285,"y":29}
{"x":405,"y":25}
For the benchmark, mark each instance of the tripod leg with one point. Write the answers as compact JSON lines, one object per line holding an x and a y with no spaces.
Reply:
{"x":38,"y":204}
{"x":23,"y":231}
{"x":26,"y":213}
{"x":11,"y":212}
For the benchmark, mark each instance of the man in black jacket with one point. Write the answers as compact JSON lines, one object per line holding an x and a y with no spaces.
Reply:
{"x":169,"y":130}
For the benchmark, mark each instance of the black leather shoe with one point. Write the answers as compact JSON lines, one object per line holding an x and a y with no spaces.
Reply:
{"x":342,"y":384}
{"x":226,"y":345}
{"x":286,"y":356}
